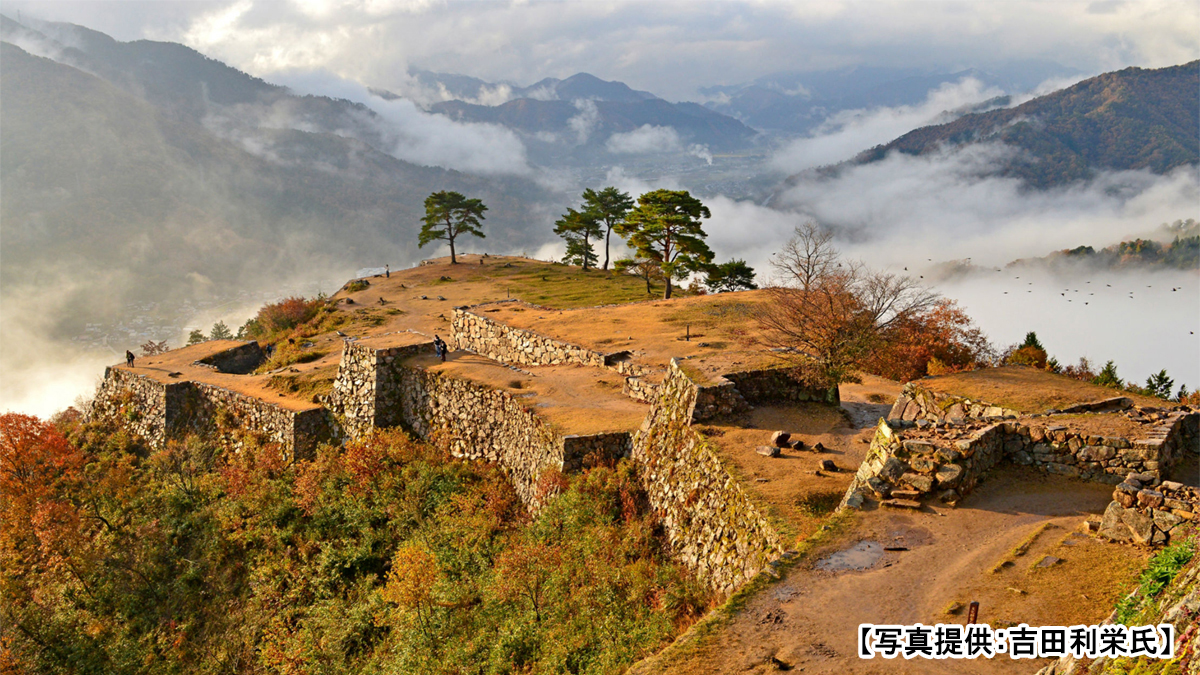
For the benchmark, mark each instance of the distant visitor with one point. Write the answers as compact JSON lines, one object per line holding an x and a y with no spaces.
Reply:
{"x":439,"y":347}
{"x":128,"y":358}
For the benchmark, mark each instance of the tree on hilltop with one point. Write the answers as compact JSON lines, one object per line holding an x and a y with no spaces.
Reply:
{"x":834,"y":314}
{"x":577,"y":228}
{"x":664,"y":229}
{"x":649,"y":270}
{"x":449,"y":214}
{"x":734,"y":275}
{"x":611,"y":206}
{"x":220,"y":332}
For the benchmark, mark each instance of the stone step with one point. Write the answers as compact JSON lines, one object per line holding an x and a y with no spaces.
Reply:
{"x":902,"y":503}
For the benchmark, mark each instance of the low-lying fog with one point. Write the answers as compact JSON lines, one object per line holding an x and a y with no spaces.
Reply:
{"x":909,"y":215}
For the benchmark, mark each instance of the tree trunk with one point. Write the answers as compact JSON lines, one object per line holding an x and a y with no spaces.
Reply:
{"x":607,"y":237}
{"x":647,"y":278}
{"x":585,"y":252}
{"x":453,"y":260}
{"x":667,"y":294}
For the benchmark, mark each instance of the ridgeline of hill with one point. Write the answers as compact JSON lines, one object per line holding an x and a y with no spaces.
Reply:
{"x":1130,"y":119}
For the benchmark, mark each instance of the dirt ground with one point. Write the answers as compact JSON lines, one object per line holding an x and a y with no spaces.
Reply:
{"x":1026,"y":389}
{"x":948,"y":558}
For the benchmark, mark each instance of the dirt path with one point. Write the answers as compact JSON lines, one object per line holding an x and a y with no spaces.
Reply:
{"x":807,"y":621}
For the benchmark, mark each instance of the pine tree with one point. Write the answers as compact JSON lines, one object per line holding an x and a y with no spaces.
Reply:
{"x":447,"y":215}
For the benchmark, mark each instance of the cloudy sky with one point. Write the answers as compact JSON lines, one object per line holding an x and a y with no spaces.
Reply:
{"x":670,"y":48}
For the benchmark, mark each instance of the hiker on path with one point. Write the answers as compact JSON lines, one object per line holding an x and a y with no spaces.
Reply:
{"x":387,"y":271}
{"x":439,"y":347}
{"x":128,"y":358}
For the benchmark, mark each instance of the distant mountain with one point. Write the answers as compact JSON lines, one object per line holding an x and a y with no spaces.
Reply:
{"x":147,"y":180}
{"x":592,"y":122}
{"x":800,"y":102}
{"x":1130,"y":119}
{"x":582,"y":110}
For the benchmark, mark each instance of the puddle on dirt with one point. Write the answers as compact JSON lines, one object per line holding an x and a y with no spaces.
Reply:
{"x":862,"y":555}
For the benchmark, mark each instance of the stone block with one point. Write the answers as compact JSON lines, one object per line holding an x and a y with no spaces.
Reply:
{"x":892,"y":470}
{"x":922,"y":464}
{"x":1149,"y":498}
{"x":949,"y":475}
{"x":919,"y":482}
{"x":1139,"y":524}
{"x":1112,"y":525}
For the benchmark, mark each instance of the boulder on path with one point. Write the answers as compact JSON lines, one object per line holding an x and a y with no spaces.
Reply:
{"x":780,"y":439}
{"x":768,"y":450}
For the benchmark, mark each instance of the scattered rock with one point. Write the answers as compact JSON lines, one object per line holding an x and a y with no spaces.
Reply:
{"x":780,"y":439}
{"x":768,"y":450}
{"x":1016,"y":590}
{"x":1049,"y":561}
{"x":817,"y":447}
{"x":827,"y":465}
{"x":799,"y":444}
{"x":954,"y":608}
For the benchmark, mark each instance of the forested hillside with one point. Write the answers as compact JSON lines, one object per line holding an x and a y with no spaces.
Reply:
{"x":1130,"y":119}
{"x":385,"y":556}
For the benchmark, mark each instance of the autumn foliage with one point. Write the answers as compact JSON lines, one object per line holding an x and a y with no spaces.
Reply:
{"x":381,"y":556}
{"x":937,"y":341}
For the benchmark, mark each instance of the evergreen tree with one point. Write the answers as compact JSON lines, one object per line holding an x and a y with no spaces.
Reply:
{"x":449,"y":214}
{"x":220,"y":332}
{"x":1159,"y":385}
{"x":665,"y":230}
{"x":734,"y":275}
{"x":611,"y":206}
{"x":1108,"y":376}
{"x":1031,"y":340}
{"x":196,"y":337}
{"x":578,"y":228}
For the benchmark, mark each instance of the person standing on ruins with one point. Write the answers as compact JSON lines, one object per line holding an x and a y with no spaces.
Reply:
{"x":439,"y":347}
{"x":128,"y":358}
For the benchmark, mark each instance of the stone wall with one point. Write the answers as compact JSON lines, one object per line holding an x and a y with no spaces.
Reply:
{"x":922,"y":466}
{"x":238,"y":360}
{"x":160,"y":411}
{"x":374,"y":388}
{"x":949,"y":459}
{"x":769,"y":386}
{"x":918,"y":403}
{"x":517,"y":346}
{"x":139,"y":403}
{"x":712,"y":525}
{"x":1147,"y":511}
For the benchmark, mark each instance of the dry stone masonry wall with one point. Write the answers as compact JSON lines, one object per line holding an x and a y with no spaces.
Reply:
{"x":160,"y":411}
{"x":1147,"y":511}
{"x":918,"y":403}
{"x":949,"y":459}
{"x":517,"y":346}
{"x":374,"y":388}
{"x":712,"y":525}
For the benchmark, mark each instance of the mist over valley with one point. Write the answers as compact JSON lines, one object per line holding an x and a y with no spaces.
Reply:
{"x":149,"y":189}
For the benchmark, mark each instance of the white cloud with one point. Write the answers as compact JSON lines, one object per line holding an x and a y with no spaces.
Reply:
{"x":849,"y":132}
{"x":421,"y":137}
{"x":643,"y":140}
{"x":585,"y":122}
{"x":670,"y":47}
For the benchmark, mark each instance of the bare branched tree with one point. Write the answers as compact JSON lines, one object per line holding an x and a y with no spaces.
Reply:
{"x":832,"y":314}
